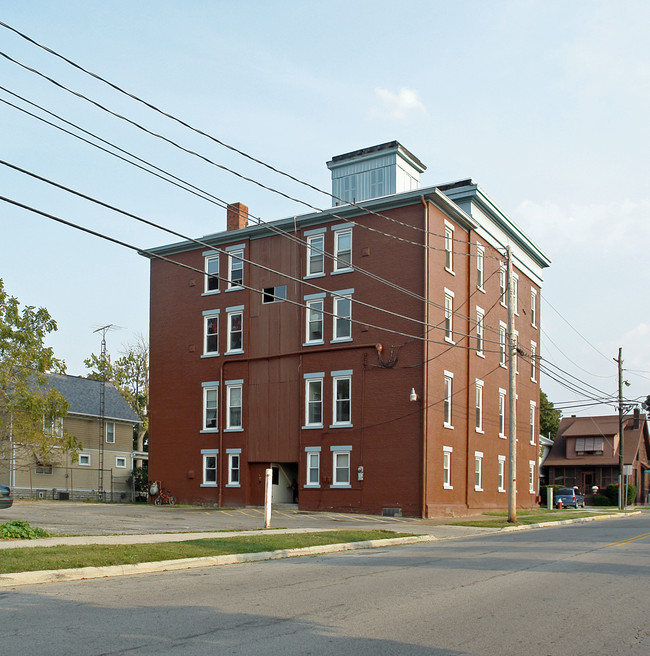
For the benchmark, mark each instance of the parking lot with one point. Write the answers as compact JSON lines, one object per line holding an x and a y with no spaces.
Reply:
{"x":72,"y":518}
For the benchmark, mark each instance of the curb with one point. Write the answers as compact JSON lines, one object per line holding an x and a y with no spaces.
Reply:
{"x":84,"y":573}
{"x":564,"y":522}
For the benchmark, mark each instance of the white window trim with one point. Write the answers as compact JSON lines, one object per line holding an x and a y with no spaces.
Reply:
{"x":533,"y":417}
{"x":533,"y":307}
{"x":87,"y":457}
{"x":503,"y":284}
{"x":533,"y":363}
{"x":232,"y":454}
{"x":531,"y":476}
{"x":114,"y":433}
{"x":341,"y":450}
{"x":502,"y":470}
{"x":312,"y":236}
{"x":207,"y":453}
{"x":480,"y":266}
{"x":345,"y":294}
{"x":211,"y":255}
{"x":309,"y":301}
{"x":213,"y":385}
{"x":449,"y":247}
{"x":338,"y":376}
{"x":478,"y":460}
{"x":231,"y":312}
{"x":448,"y":376}
{"x":502,"y":395}
{"x":318,"y":377}
{"x":230,"y":386}
{"x":207,"y":315}
{"x":449,"y":316}
{"x":117,"y":462}
{"x":235,"y":253}
{"x":338,"y":231}
{"x":480,"y":332}
{"x":515,"y":280}
{"x":447,"y":450}
{"x":312,"y":451}
{"x":479,"y":397}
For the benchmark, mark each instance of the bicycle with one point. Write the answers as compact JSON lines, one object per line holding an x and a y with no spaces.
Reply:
{"x":162,"y":496}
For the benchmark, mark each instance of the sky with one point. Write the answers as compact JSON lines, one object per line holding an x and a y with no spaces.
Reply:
{"x":544,"y":104}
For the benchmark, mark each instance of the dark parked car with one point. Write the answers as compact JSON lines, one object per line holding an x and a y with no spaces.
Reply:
{"x":569,"y":497}
{"x":5,"y":497}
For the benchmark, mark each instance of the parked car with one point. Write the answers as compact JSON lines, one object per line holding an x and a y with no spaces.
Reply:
{"x":569,"y":497}
{"x":6,"y":500}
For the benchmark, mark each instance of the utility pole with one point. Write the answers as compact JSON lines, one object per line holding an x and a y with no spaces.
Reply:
{"x":102,"y":411}
{"x":621,"y":463}
{"x":512,"y":392}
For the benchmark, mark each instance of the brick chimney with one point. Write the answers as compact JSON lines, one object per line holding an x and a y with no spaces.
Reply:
{"x":237,"y":216}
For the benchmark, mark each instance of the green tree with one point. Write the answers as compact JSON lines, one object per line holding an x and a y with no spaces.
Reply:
{"x":31,"y":412}
{"x":130,"y":375}
{"x":549,"y":417}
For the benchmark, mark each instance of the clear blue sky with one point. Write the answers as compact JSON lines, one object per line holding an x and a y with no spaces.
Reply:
{"x":544,"y":103}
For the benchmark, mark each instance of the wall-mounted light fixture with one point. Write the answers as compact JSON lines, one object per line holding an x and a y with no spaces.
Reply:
{"x":413,"y":396}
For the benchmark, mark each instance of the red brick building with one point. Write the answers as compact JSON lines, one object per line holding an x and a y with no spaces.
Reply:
{"x":359,"y":351}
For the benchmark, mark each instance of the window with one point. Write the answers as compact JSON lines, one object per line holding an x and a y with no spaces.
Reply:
{"x":343,"y":250}
{"x":515,"y":339}
{"x":84,"y":459}
{"x":532,"y":421}
{"x":589,"y":445}
{"x":480,"y":260}
{"x":502,"y":474}
{"x":209,"y":467}
{"x":531,"y":476}
{"x":502,"y":344}
{"x":44,"y":469}
{"x":110,"y":432}
{"x":211,"y":274}
{"x":503,"y":284}
{"x":211,"y":332}
{"x":120,"y":462}
{"x":235,"y":269}
{"x":479,"y":406}
{"x":377,"y":183}
{"x":234,"y":403}
{"x":342,"y":398}
{"x":315,"y":256}
{"x":313,"y":466}
{"x":446,"y":467}
{"x":449,"y":247}
{"x":502,"y":413}
{"x":314,"y":400}
{"x":314,"y":320}
{"x":341,"y":465}
{"x":449,"y":314}
{"x":343,"y":316}
{"x":515,"y":284}
{"x":210,"y":406}
{"x":235,"y":329}
{"x":447,"y":400}
{"x":478,"y":473}
{"x":480,"y":314}
{"x":233,"y":467}
{"x":53,"y":426}
{"x":533,"y":307}
{"x":274,"y":294}
{"x":533,"y":355}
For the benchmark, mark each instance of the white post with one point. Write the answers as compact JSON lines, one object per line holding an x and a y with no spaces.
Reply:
{"x":268,"y":494}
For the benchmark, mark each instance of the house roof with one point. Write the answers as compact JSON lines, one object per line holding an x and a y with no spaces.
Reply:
{"x":83,"y":395}
{"x":604,"y":426}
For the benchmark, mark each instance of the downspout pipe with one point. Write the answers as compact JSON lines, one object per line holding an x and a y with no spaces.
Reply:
{"x":425,"y":369}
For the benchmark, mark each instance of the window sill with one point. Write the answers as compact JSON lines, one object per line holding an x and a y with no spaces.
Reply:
{"x":235,"y":352}
{"x":348,"y":425}
{"x":211,"y":292}
{"x":313,"y":486}
{"x":233,"y":430}
{"x":208,"y":485}
{"x":481,"y":289}
{"x":336,"y":273}
{"x":501,"y":490}
{"x":341,"y":486}
{"x":313,"y":275}
{"x":210,"y":430}
{"x":503,"y":437}
{"x":480,"y":354}
{"x":447,"y":487}
{"x":233,"y":485}
{"x":450,"y":271}
{"x":318,"y":343}
{"x":313,"y":427}
{"x":503,"y":365}
{"x":234,"y":289}
{"x":210,"y":355}
{"x":448,"y":426}
{"x":339,"y":340}
{"x":449,"y":340}
{"x":478,"y":489}
{"x":480,"y":431}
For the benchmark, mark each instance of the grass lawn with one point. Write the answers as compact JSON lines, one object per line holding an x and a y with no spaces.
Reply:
{"x":524,"y":517}
{"x":66,"y":557}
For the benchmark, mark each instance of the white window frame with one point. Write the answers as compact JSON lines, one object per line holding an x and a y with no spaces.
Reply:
{"x":531,"y":476}
{"x":339,"y":320}
{"x":503,"y":345}
{"x":234,"y":467}
{"x":316,"y":254}
{"x":480,"y":332}
{"x":210,"y":259}
{"x":478,"y":471}
{"x":119,"y":459}
{"x":84,"y":460}
{"x":515,"y":284}
{"x":533,"y":365}
{"x":208,"y":316}
{"x":501,"y":474}
{"x":449,"y":316}
{"x":532,"y":417}
{"x":503,"y":284}
{"x":342,"y":452}
{"x":533,"y":307}
{"x":111,"y":432}
{"x":479,"y":406}
{"x":480,"y":267}
{"x":315,"y":381}
{"x":337,"y":378}
{"x":449,"y":247}
{"x":275,"y":294}
{"x":235,"y":256}
{"x":313,"y":310}
{"x":446,"y":467}
{"x":339,"y":233}
{"x":210,"y":389}
{"x":502,"y":413}
{"x":207,"y":455}
{"x":232,"y":313}
{"x":312,"y":454}
{"x":447,"y":398}
{"x":234,"y":386}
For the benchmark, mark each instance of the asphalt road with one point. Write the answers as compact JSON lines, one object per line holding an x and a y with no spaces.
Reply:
{"x":560,"y":591}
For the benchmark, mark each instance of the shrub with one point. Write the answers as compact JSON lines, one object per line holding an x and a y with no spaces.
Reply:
{"x":21,"y":530}
{"x":612,"y":493}
{"x":601,"y":500}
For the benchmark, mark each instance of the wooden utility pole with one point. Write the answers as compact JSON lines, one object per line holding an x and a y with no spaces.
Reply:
{"x":622,"y":489}
{"x":512,"y":392}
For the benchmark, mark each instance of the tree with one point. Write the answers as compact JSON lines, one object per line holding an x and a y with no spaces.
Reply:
{"x":549,"y":417}
{"x":130,"y":375}
{"x":31,"y":412}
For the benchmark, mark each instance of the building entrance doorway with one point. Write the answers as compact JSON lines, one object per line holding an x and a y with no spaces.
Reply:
{"x":285,"y":482}
{"x":587,"y":482}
